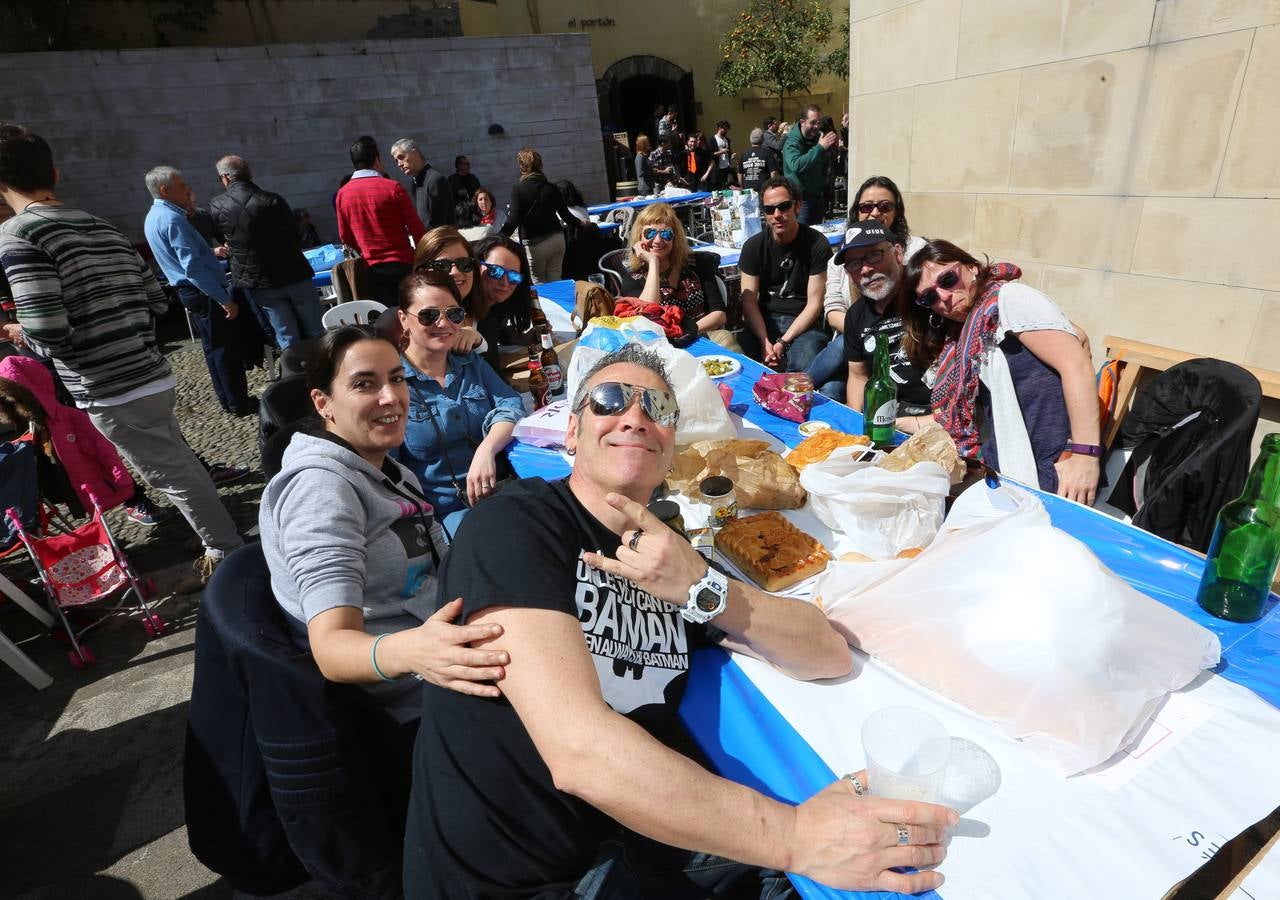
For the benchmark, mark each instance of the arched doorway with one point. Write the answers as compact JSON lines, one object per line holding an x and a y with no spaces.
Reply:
{"x":631,"y":88}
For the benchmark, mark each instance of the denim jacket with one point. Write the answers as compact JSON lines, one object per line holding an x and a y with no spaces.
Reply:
{"x":473,"y":398}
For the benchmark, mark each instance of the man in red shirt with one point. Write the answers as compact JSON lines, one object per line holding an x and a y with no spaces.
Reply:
{"x":377,"y":219}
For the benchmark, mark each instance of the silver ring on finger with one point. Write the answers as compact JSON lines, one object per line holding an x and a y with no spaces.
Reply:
{"x":635,"y":539}
{"x":904,"y":836}
{"x":858,"y":787}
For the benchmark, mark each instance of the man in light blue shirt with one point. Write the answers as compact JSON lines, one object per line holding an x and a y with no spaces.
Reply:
{"x":190,"y":266}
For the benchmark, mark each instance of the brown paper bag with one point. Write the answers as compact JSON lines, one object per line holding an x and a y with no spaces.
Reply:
{"x":930,"y":444}
{"x":761,"y":478}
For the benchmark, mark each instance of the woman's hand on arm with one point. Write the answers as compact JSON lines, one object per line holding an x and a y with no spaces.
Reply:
{"x":1077,"y":473}
{"x":440,"y":652}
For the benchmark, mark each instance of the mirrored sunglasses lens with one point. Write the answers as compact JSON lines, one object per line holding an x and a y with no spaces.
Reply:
{"x":610,"y":398}
{"x":495,"y":272}
{"x":659,"y":406}
{"x":514,"y":277}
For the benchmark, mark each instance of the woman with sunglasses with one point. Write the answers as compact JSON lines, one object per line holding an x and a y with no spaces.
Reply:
{"x":878,"y":198}
{"x":1012,"y":381}
{"x":504,"y":310}
{"x":351,"y":544}
{"x":444,"y":249}
{"x":661,"y":270}
{"x":461,"y":414}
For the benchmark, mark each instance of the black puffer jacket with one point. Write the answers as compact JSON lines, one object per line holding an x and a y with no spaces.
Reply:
{"x":266,"y":251}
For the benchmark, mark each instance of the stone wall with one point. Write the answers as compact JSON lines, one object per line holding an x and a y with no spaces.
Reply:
{"x":1122,"y":152}
{"x":292,"y":110}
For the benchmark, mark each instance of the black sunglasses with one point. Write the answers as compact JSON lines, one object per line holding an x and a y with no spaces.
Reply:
{"x":613,"y":398}
{"x":770,"y":209}
{"x":497,"y":273}
{"x":428,"y":316}
{"x":885,"y":206}
{"x":465,"y":265}
{"x":947,"y":281}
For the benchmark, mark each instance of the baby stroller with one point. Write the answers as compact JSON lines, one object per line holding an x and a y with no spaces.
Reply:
{"x":83,"y":566}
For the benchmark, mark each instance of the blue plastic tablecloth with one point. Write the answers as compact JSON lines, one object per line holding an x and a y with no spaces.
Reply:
{"x":322,"y":260}
{"x":750,"y":742}
{"x":603,"y":208}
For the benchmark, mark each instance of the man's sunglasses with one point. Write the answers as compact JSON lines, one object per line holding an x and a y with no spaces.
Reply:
{"x":784,"y":206}
{"x":613,"y":398}
{"x":465,"y":265}
{"x":885,"y":206}
{"x":947,"y":281}
{"x":665,"y":233}
{"x":497,"y":273}
{"x":429,"y":315}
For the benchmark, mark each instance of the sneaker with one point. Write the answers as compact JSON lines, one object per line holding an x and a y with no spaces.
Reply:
{"x":221,"y":474}
{"x":201,"y":572}
{"x":149,"y":514}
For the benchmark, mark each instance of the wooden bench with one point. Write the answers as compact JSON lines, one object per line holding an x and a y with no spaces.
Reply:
{"x":1137,"y":357}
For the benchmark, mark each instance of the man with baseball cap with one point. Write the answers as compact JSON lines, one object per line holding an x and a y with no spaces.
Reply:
{"x":872,"y":263}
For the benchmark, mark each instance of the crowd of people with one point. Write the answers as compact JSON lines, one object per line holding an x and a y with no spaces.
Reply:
{"x":535,"y":637}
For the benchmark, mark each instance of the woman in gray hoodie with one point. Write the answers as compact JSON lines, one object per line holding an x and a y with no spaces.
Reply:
{"x":353,"y":544}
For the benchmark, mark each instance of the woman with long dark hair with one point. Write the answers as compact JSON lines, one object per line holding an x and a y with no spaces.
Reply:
{"x":443,"y":249}
{"x":1012,"y":381}
{"x":351,"y":540}
{"x":504,"y":308}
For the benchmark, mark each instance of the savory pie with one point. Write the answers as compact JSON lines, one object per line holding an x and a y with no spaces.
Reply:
{"x":771,"y":551}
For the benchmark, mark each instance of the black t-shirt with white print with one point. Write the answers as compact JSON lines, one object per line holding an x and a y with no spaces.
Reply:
{"x":485,"y":819}
{"x":861,"y":325}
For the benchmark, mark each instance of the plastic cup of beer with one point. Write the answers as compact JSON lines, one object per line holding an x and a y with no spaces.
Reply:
{"x":907,"y":753}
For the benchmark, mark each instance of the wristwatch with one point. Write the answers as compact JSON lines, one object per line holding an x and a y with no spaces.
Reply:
{"x":707,"y":598}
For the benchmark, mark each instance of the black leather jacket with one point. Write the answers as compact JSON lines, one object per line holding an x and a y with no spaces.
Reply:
{"x":266,"y":251}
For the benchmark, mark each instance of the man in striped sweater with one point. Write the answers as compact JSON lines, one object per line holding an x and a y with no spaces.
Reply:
{"x":86,"y":300}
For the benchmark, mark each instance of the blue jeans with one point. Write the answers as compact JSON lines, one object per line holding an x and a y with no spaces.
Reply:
{"x":814,"y":209}
{"x":802,"y":352}
{"x":830,"y":371}
{"x":630,"y":867}
{"x":221,"y":345}
{"x":292,"y":310}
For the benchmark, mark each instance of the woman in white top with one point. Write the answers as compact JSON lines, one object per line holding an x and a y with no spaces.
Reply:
{"x":1012,"y":382}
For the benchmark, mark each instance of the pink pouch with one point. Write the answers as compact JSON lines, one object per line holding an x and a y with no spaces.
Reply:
{"x":726,"y":393}
{"x":785,"y":394}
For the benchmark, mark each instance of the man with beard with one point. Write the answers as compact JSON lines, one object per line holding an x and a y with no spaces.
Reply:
{"x":873,"y":263}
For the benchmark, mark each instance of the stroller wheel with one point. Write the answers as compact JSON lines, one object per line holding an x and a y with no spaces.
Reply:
{"x":154,"y":625}
{"x":80,"y":661}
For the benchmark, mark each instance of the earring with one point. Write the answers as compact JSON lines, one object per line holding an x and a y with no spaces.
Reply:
{"x":571,"y":451}
{"x":935,"y":325}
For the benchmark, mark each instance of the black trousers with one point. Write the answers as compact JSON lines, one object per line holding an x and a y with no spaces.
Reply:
{"x":221,"y":343}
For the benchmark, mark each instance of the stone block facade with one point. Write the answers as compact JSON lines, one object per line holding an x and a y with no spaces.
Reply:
{"x":292,"y":110}
{"x":1123,"y":152}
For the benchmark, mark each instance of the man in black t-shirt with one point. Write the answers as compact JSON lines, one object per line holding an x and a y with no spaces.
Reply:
{"x":758,"y":164}
{"x":784,"y":276}
{"x":872,"y":263}
{"x":546,"y":791}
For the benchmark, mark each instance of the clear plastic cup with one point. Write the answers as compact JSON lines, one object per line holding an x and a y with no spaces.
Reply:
{"x":907,"y":752}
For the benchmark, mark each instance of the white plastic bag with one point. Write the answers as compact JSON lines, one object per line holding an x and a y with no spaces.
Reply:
{"x":1021,"y":623}
{"x":702,"y":412}
{"x":880,"y":512}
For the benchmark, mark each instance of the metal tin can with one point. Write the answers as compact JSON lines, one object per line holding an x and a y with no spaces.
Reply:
{"x":669,"y":512}
{"x":717,"y":492}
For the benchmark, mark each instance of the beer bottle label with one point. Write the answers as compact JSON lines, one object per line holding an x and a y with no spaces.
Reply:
{"x":555,"y":378}
{"x":886,"y":414}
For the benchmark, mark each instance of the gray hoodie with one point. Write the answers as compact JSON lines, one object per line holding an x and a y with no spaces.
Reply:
{"x":338,"y":532}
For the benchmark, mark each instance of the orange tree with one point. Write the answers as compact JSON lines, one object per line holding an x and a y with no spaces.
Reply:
{"x":776,"y":46}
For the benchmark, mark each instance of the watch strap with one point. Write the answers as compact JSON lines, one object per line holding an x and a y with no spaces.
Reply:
{"x":1085,"y":449}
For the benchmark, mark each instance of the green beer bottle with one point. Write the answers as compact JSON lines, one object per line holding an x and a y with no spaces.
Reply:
{"x":1246,"y":544}
{"x":880,"y":399}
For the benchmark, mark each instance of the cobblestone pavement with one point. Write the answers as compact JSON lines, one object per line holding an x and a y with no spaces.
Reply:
{"x":91,"y":767}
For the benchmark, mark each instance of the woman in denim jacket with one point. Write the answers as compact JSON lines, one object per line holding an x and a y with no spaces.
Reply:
{"x":461,"y":414}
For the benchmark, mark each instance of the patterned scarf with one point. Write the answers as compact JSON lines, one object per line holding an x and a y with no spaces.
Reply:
{"x":955,"y":390}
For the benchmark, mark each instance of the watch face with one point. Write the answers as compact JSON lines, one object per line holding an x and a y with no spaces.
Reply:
{"x":708,"y":600}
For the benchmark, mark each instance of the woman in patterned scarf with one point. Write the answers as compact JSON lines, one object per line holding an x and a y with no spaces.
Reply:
{"x":1012,"y":381}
